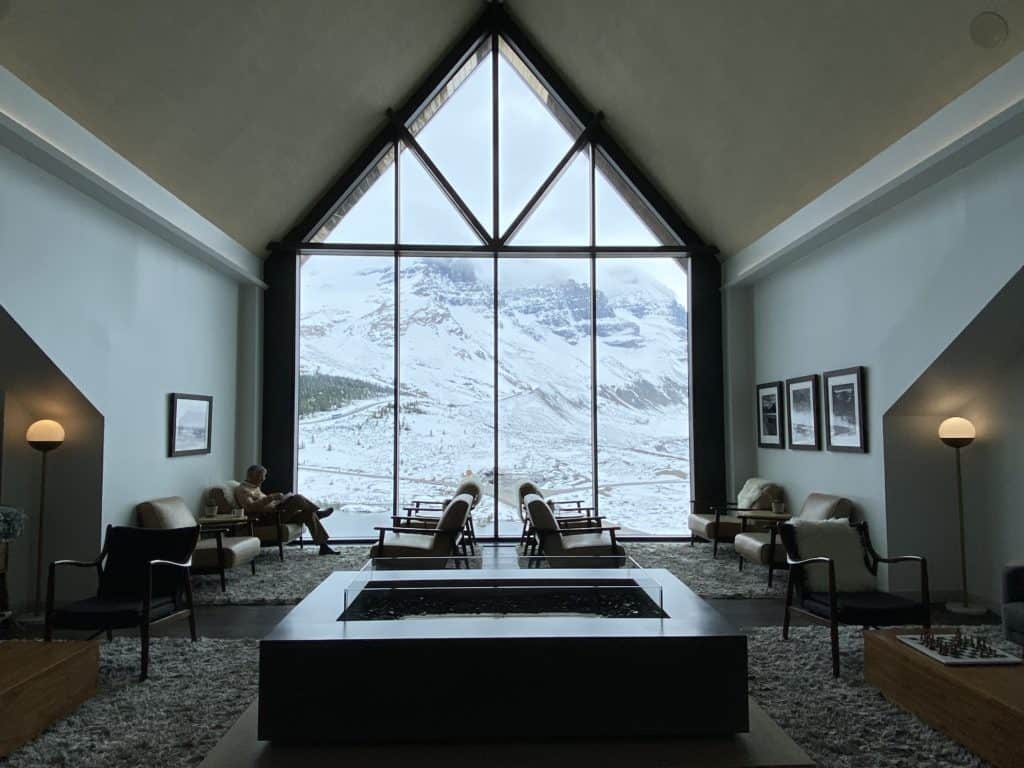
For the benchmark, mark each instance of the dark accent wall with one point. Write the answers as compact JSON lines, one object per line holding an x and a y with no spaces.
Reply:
{"x":280,"y":368}
{"x":707,"y":382}
{"x":35,"y":388}
{"x":978,"y":376}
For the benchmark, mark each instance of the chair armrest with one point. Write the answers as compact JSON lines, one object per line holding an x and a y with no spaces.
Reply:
{"x":796,"y":564}
{"x":78,"y":563}
{"x":902,"y":559}
{"x":147,"y":596}
{"x":592,"y":529}
{"x":406,"y":529}
{"x":186,"y":564}
{"x":51,"y":582}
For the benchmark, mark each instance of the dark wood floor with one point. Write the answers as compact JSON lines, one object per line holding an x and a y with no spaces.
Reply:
{"x":255,"y":621}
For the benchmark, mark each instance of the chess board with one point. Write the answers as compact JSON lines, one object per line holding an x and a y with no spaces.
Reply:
{"x":958,"y":650}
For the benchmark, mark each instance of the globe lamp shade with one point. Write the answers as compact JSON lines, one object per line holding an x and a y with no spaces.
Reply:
{"x":45,"y":435}
{"x":957,"y":432}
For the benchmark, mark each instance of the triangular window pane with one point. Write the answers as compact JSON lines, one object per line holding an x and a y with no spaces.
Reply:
{"x":534,"y":133}
{"x":622,"y":217}
{"x":454,"y":129}
{"x":367,"y":215}
{"x":428,"y":217}
{"x":562,"y":217}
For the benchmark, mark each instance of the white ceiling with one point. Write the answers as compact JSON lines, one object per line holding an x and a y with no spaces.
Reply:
{"x":740,"y":111}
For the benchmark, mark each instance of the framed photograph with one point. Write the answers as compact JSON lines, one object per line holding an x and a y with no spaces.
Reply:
{"x":770,"y":415}
{"x":845,"y":428}
{"x":802,"y":409}
{"x":191,"y":424}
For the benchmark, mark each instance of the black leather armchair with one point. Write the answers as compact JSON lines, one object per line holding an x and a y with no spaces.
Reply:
{"x":833,"y":607}
{"x":144,"y":578}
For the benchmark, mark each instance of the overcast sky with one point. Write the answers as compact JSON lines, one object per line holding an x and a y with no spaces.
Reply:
{"x":531,"y":142}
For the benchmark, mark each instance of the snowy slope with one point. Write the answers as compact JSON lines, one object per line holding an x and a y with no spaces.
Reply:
{"x":447,"y":385}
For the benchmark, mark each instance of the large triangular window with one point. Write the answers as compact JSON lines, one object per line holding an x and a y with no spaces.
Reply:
{"x":493,"y":158}
{"x":493,"y":292}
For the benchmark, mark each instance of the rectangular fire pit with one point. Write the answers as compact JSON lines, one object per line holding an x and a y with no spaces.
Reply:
{"x":487,"y":655}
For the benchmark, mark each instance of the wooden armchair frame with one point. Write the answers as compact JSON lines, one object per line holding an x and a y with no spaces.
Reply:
{"x":795,"y":584}
{"x":145,"y":622}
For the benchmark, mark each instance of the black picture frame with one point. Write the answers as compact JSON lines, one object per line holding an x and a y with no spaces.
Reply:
{"x":809,"y":407}
{"x":845,"y":394}
{"x":190,"y":427}
{"x":771,"y":431}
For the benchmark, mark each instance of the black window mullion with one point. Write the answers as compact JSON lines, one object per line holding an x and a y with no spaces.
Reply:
{"x":495,"y":200}
{"x":435,"y":173}
{"x":593,"y":335}
{"x":546,"y":185}
{"x":398,"y":328}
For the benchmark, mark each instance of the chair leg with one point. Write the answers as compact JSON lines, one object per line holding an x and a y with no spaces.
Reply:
{"x":110,"y":635}
{"x":144,"y":636}
{"x":834,"y":632}
{"x":741,"y":562}
{"x":789,"y":604}
{"x":280,"y":548}
{"x":253,"y":565}
{"x":191,"y":607}
{"x":714,"y":547}
{"x":771,"y":570}
{"x":223,"y":580}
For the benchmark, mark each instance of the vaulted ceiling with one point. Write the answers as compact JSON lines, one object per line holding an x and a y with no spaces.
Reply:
{"x":741,"y":111}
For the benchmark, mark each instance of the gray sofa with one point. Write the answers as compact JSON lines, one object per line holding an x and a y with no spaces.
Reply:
{"x":1013,"y":602}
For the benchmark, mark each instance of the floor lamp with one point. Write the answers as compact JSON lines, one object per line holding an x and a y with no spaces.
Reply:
{"x":44,"y":436}
{"x":958,"y":432}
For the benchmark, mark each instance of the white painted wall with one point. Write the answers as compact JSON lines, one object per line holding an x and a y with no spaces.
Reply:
{"x":129,"y":318}
{"x":890,"y":295}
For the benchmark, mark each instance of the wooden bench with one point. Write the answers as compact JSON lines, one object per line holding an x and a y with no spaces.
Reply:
{"x":982,"y":707}
{"x":40,"y":683}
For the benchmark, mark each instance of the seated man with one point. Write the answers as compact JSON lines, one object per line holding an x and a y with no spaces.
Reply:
{"x":294,"y":507}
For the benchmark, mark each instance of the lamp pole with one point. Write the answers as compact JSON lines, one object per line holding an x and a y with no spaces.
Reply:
{"x":957,"y":432}
{"x":39,"y":537}
{"x":44,"y":436}
{"x":960,"y":510}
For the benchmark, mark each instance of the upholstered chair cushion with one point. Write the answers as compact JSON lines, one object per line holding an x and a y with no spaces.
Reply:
{"x":705,"y":527}
{"x":758,"y":493}
{"x":435,"y":548}
{"x":836,"y":539}
{"x":238,"y":550}
{"x":540,"y":513}
{"x":267,"y":534}
{"x":222,"y":496}
{"x":756,"y":545}
{"x":169,"y":512}
{"x":824,"y":506}
{"x":454,"y":516}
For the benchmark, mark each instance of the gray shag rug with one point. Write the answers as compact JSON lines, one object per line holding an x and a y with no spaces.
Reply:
{"x":844,"y":723}
{"x":197,"y":691}
{"x":288,"y":582}
{"x":277,"y":582}
{"x":711,"y":578}
{"x":194,"y":693}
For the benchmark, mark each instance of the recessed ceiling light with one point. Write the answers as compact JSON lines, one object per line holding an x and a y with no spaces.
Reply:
{"x":989,"y":29}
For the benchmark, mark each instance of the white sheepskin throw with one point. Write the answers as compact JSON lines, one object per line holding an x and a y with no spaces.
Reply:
{"x":839,"y":540}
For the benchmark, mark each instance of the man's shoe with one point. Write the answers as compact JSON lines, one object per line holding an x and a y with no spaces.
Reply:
{"x":326,"y":550}
{"x":322,"y":513}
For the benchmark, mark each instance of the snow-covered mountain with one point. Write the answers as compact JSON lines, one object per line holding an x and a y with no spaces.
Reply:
{"x":446,"y":413}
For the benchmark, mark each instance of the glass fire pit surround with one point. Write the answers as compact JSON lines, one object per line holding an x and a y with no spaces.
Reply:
{"x":460,"y":655}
